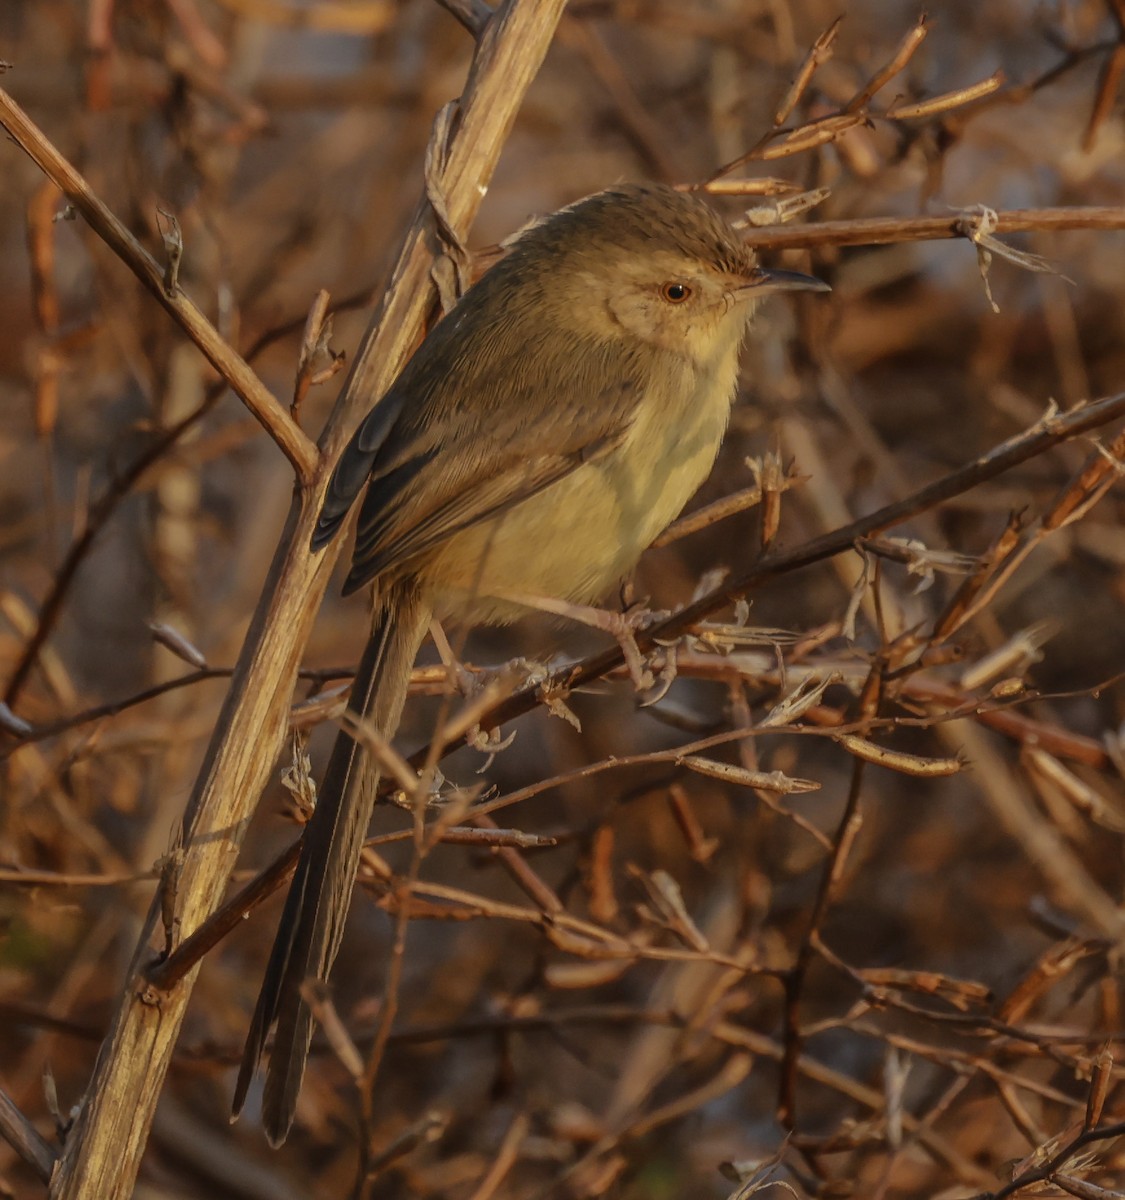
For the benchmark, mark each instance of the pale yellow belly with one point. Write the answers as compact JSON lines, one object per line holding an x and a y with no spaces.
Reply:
{"x":581,"y":536}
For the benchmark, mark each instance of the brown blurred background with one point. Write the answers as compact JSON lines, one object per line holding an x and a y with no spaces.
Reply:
{"x":288,"y":139}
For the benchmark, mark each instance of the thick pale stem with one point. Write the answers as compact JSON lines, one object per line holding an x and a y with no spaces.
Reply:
{"x":105,"y":1146}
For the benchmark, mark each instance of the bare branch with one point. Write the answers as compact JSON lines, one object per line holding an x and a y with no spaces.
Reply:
{"x":243,"y":382}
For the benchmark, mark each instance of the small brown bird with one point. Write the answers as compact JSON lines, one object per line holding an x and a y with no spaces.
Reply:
{"x":542,"y":435}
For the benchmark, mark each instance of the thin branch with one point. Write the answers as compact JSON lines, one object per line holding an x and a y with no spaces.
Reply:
{"x":795,"y":980}
{"x":25,"y":1140}
{"x":882,"y":231}
{"x":164,"y":975}
{"x":243,"y":381}
{"x":120,"y":486}
{"x":1052,"y":1164}
{"x":1040,"y":438}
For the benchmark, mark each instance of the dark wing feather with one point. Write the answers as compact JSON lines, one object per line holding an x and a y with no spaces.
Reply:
{"x":355,"y":466}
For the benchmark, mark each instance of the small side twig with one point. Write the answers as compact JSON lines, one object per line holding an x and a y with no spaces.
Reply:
{"x":474,"y":15}
{"x":25,"y":1140}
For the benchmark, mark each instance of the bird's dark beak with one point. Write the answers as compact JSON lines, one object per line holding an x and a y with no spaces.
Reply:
{"x":762,"y":280}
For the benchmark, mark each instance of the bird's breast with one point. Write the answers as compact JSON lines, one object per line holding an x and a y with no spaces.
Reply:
{"x":582,"y":535}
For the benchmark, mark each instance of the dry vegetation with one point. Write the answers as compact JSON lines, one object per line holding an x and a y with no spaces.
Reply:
{"x":833,"y":905}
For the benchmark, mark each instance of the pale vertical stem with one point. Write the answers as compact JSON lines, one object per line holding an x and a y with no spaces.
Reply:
{"x":106,"y":1144}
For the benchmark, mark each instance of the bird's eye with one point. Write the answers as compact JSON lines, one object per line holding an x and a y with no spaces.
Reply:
{"x":675,"y":293}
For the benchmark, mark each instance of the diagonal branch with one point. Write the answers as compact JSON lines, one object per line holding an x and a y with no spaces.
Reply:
{"x":295,"y":445}
{"x":25,"y":1139}
{"x":1035,"y":441}
{"x":100,"y":513}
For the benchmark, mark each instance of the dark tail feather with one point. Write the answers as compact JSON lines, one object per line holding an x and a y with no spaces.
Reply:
{"x":312,"y":922}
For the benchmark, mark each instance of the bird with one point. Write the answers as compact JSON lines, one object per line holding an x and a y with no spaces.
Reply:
{"x":545,"y":431}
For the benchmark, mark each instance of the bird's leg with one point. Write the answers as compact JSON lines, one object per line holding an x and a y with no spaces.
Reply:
{"x":466,"y":680}
{"x":621,"y":626}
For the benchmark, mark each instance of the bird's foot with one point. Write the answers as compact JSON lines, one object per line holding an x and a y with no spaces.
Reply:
{"x":622,"y":626}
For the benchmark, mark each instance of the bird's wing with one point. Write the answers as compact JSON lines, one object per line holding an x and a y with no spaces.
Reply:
{"x":390,"y":532}
{"x":477,"y":473}
{"x":440,"y":453}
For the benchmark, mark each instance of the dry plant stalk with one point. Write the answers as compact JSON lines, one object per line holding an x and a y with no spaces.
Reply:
{"x":105,"y":1144}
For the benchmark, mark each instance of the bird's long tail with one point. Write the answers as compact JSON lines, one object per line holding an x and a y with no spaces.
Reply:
{"x":312,"y":922}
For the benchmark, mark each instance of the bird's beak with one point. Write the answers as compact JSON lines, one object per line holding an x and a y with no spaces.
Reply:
{"x":763,"y":280}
